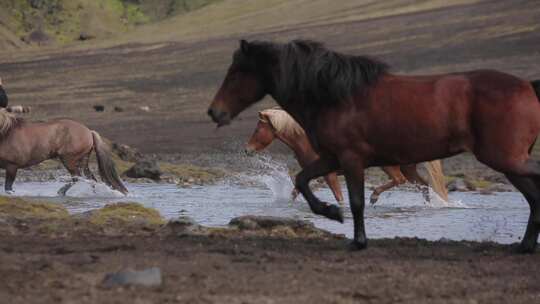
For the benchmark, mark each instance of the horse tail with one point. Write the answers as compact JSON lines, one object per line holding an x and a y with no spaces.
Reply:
{"x":107,"y":169}
{"x":437,"y":180}
{"x":536,"y":86}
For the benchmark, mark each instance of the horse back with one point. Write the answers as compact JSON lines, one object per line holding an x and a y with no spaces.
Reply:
{"x":449,"y":113}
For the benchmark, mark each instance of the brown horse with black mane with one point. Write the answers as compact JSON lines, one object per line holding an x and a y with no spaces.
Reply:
{"x":276,"y":123}
{"x":24,"y":144}
{"x":357,"y":114}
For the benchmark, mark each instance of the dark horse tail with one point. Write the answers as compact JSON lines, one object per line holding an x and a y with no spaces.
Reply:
{"x":536,"y":86}
{"x":107,"y":169}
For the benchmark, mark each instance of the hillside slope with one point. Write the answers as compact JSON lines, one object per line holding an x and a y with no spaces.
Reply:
{"x":26,"y":23}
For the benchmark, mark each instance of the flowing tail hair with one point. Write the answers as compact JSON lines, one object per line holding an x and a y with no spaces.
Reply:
{"x":437,"y":180}
{"x":107,"y":169}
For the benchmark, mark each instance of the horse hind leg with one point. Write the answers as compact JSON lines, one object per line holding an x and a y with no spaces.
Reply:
{"x":73,"y":165}
{"x":530,"y":188}
{"x":411,"y":174}
{"x":86,"y":169}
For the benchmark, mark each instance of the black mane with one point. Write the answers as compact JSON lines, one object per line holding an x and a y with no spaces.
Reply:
{"x":316,"y":75}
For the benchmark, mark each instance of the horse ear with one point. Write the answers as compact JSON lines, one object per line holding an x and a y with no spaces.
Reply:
{"x":244,"y":46}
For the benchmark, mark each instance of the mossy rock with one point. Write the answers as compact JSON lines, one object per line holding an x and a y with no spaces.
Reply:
{"x":125,"y":213}
{"x":19,"y":208}
{"x":185,"y":172}
{"x":479,"y":183}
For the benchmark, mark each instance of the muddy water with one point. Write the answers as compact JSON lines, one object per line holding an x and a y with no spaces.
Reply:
{"x":469,"y":216}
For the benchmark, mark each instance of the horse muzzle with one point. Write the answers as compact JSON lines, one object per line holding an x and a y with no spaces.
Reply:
{"x":221,"y":118}
{"x":249,"y":150}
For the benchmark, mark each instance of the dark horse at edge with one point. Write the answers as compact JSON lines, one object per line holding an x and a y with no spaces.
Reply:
{"x":357,"y":114}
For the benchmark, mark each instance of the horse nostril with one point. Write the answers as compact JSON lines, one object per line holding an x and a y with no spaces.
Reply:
{"x":249,"y":151}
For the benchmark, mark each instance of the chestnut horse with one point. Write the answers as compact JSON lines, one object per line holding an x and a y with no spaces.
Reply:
{"x":357,"y":114}
{"x":24,"y":144}
{"x":276,"y":123}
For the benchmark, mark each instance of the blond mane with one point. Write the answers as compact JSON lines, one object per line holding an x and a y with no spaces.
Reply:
{"x":8,"y":122}
{"x":281,"y":121}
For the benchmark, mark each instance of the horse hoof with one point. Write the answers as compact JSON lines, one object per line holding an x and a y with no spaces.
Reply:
{"x":373,"y":198}
{"x":334,"y":213}
{"x":357,"y":246}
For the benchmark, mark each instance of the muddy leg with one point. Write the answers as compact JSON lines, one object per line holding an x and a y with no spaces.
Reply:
{"x":318,"y":168}
{"x":531,"y":190}
{"x":333,"y":182}
{"x":11,"y":174}
{"x":354,"y":175}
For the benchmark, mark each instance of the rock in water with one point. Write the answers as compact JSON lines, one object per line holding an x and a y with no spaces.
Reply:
{"x":251,"y":222}
{"x":126,"y":152}
{"x":150,"y":277}
{"x":183,"y":225}
{"x":145,"y":168}
{"x":458,"y":184}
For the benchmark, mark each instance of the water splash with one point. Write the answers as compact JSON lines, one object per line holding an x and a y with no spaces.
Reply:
{"x":83,"y":188}
{"x":265,"y":171}
{"x":435,"y":201}
{"x":88,"y":188}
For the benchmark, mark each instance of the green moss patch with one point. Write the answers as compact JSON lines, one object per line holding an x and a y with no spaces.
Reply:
{"x":185,"y":172}
{"x":479,"y":183}
{"x":20,"y":208}
{"x":126,"y":213}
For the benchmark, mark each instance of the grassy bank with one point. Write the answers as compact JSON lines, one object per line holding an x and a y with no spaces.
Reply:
{"x":57,"y":22}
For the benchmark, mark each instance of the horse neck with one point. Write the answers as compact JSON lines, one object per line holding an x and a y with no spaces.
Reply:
{"x":299,"y":144}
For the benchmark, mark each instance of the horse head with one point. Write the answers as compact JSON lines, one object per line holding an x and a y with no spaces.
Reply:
{"x":263,"y":135}
{"x":246,"y":82}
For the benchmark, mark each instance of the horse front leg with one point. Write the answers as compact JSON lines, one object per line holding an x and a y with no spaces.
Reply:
{"x":333,"y":182}
{"x":320,"y":167}
{"x":377,"y":192}
{"x":11,"y":174}
{"x":397,"y":178}
{"x":354,"y":175}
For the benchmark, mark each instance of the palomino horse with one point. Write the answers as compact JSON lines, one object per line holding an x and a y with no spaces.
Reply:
{"x":276,"y":123}
{"x":24,"y":144}
{"x":357,"y":114}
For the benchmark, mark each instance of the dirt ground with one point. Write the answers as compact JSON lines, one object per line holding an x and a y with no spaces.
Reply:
{"x":258,"y":268}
